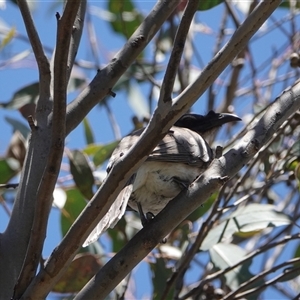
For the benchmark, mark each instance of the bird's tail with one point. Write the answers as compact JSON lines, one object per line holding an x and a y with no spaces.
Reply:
{"x":114,"y":214}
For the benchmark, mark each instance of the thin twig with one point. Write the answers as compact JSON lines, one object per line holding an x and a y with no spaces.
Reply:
{"x":237,"y":294}
{"x":5,"y":207}
{"x":165,"y":97}
{"x":9,"y":186}
{"x":113,"y":122}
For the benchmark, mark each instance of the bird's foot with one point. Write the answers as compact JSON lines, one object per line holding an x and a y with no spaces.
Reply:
{"x":146,"y":219}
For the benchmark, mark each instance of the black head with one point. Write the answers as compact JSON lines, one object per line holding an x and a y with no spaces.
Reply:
{"x":203,"y":124}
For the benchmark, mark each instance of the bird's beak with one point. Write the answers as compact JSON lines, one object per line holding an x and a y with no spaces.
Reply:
{"x":223,"y":118}
{"x":214,"y":120}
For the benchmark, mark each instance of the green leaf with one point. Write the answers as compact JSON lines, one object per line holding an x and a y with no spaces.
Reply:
{"x":26,"y":95}
{"x":89,"y":137}
{"x":201,"y":210}
{"x":127,"y":18}
{"x":74,"y":205}
{"x":118,"y":236}
{"x":124,"y":230}
{"x":75,"y":83}
{"x":295,"y":150}
{"x":8,"y":37}
{"x":286,"y":4}
{"x":82,"y":173}
{"x":137,"y":101}
{"x":249,"y":219}
{"x":226,"y":255}
{"x":79,"y":272}
{"x":9,"y":167}
{"x":208,"y":4}
{"x":160,"y":276}
{"x":18,"y":126}
{"x":104,"y":152}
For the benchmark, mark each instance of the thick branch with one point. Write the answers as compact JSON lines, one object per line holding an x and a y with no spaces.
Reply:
{"x":48,"y":181}
{"x":15,"y":239}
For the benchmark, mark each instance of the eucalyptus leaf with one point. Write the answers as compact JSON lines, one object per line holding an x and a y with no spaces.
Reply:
{"x":26,"y":95}
{"x":9,"y":167}
{"x":74,"y":205}
{"x":88,"y":132}
{"x":81,"y":172}
{"x":252,"y":218}
{"x":226,"y":255}
{"x":18,"y":126}
{"x":127,"y":17}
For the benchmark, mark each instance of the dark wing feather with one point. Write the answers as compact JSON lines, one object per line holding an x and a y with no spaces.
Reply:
{"x":124,"y":145}
{"x":182,"y":145}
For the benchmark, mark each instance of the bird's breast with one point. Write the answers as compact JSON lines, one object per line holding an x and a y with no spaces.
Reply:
{"x":159,"y":182}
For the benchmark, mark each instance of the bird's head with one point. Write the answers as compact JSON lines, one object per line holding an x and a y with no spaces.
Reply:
{"x":206,"y":125}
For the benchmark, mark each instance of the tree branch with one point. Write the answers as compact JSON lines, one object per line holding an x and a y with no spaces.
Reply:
{"x":116,"y":68}
{"x":165,"y":97}
{"x":44,"y":105}
{"x":48,"y":181}
{"x":76,"y":36}
{"x":18,"y":231}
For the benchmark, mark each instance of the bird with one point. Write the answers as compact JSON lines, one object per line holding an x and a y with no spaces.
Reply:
{"x":178,"y":159}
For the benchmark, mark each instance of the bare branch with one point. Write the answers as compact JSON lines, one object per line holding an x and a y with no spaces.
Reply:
{"x":114,"y":125}
{"x":48,"y":181}
{"x":18,"y":230}
{"x":100,"y":84}
{"x":76,"y":36}
{"x":166,"y":91}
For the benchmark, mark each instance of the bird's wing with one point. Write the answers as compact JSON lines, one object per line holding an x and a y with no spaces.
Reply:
{"x":124,"y":145}
{"x":114,"y":214}
{"x":182,"y":145}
